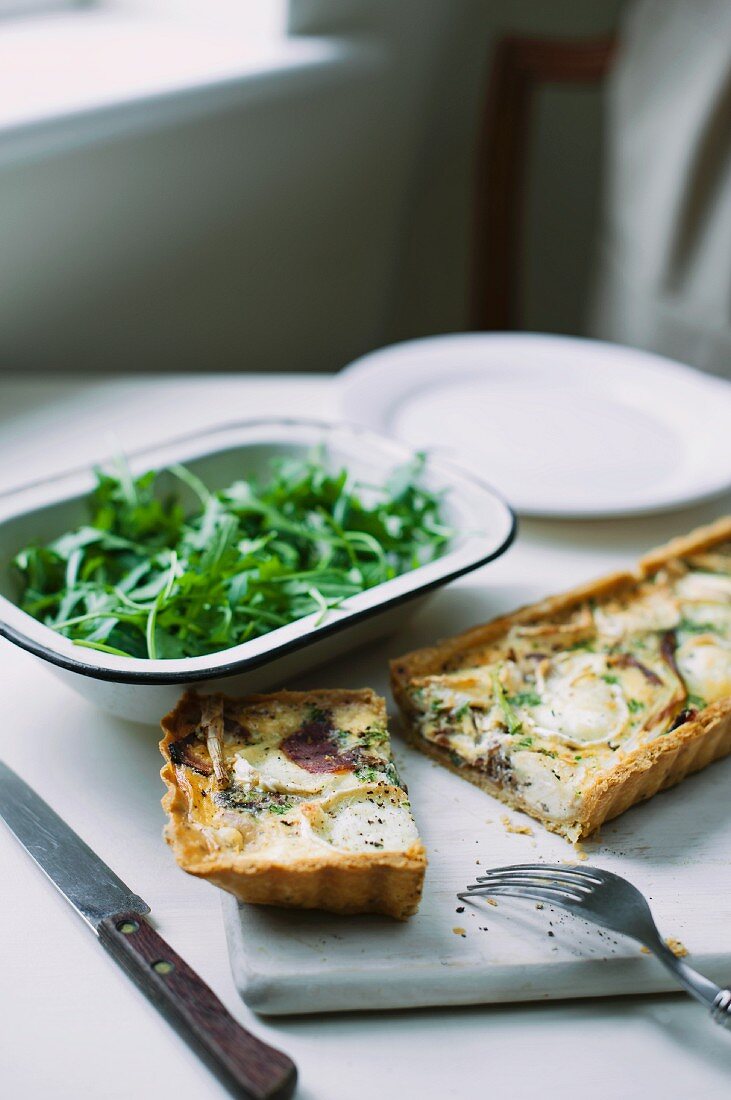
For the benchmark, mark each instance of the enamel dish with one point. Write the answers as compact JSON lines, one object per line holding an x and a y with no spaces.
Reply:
{"x":561,"y":426}
{"x":143,"y":690}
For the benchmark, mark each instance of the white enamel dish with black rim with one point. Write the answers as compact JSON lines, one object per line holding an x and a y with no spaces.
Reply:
{"x":143,"y":690}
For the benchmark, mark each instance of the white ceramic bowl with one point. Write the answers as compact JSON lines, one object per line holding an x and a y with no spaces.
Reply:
{"x":143,"y":690}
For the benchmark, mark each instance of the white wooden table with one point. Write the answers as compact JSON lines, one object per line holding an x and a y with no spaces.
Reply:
{"x":71,"y":1024}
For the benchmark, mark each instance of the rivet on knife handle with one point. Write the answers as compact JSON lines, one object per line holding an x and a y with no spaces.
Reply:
{"x":248,"y":1067}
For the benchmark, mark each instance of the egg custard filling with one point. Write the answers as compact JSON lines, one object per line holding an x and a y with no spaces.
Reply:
{"x":298,"y":791}
{"x":554,"y":706}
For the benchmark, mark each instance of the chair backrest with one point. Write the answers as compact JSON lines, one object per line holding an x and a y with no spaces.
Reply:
{"x":520,"y":66}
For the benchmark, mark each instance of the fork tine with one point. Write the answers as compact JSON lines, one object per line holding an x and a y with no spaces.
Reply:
{"x":555,"y":869}
{"x":537,"y":893}
{"x":536,"y":877}
{"x":510,"y":884}
{"x":531,"y":883}
{"x":581,"y":888}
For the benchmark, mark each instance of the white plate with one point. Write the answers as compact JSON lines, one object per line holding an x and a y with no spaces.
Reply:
{"x":561,"y":426}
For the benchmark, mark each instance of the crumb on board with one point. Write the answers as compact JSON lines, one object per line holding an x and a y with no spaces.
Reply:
{"x":459,"y":909}
{"x":459,"y":932}
{"x":539,"y":905}
{"x":678,"y":949}
{"x":515,"y":827}
{"x":491,"y":901}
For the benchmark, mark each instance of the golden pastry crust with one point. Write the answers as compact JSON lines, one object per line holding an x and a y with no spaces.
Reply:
{"x":309,"y":876}
{"x":649,"y":768}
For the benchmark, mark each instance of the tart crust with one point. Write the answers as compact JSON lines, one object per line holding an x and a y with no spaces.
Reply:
{"x":652,"y":767}
{"x":321,"y":877}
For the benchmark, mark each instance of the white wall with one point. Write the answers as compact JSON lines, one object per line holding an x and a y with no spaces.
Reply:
{"x":242,"y":241}
{"x":288,"y":233}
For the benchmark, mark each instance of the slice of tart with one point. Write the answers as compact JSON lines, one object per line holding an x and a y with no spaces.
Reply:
{"x":292,"y":799}
{"x":580,"y":706}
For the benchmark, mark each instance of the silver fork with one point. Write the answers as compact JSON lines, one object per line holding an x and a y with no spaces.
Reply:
{"x":605,"y":899}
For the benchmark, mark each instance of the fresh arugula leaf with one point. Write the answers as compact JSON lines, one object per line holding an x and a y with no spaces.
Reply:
{"x":167,"y":568}
{"x":511,"y":718}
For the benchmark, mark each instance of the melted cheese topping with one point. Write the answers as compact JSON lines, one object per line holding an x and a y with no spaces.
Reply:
{"x":341,"y":790}
{"x":704,"y":588}
{"x":364,"y":821}
{"x":705,"y":665}
{"x":581,"y":703}
{"x":654,"y":610}
{"x":264,"y":769}
{"x":556,"y":704}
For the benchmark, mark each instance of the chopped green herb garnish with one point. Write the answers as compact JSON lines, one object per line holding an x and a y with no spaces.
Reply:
{"x":696,"y":701}
{"x":689,"y":627}
{"x":462,"y":712}
{"x":525,"y":699}
{"x":635,"y":705}
{"x":374,"y":735}
{"x":280,"y":808}
{"x":609,"y":678}
{"x":368,"y":775}
{"x":392,"y":775}
{"x":513,"y":722}
{"x":168,"y":568}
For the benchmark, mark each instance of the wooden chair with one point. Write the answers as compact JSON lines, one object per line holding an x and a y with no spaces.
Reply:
{"x":520,"y":66}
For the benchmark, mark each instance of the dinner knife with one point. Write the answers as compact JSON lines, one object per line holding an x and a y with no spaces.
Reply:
{"x":248,"y":1067}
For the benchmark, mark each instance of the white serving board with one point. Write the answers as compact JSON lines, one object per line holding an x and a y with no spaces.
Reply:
{"x":676,"y":848}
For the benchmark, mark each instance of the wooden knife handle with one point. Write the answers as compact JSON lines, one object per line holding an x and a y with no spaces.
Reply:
{"x":248,"y":1067}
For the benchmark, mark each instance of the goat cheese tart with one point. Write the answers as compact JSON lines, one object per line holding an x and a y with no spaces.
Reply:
{"x":580,"y":706}
{"x":292,"y":799}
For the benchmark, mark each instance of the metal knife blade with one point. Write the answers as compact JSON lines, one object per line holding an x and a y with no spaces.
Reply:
{"x":249,"y":1068}
{"x":84,"y":880}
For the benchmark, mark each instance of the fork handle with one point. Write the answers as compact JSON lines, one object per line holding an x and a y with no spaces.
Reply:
{"x":715,"y":999}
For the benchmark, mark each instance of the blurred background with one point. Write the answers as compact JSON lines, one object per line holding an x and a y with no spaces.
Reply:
{"x":283,"y":185}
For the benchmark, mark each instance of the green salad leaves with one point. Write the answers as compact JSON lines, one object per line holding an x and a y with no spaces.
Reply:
{"x":148,"y":578}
